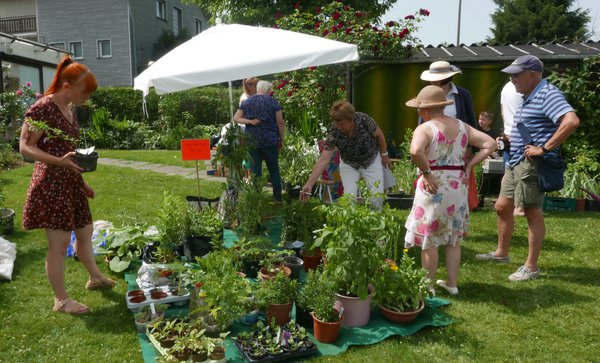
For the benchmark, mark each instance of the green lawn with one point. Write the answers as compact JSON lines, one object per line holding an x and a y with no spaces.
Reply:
{"x":552,"y":319}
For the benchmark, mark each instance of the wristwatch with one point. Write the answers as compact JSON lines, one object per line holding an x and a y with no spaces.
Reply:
{"x":384,"y":154}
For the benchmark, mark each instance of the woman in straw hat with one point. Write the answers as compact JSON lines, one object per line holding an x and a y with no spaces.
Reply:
{"x":440,"y":211}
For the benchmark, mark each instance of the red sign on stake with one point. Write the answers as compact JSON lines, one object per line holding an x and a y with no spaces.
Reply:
{"x":195,"y":149}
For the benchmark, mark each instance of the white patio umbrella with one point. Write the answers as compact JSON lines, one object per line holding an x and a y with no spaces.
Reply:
{"x":228,"y":52}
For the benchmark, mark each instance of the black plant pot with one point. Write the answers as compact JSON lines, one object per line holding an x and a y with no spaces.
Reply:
{"x":87,"y":162}
{"x":196,"y":246}
{"x":201,"y":202}
{"x":400,"y":203}
{"x":251,"y":268}
{"x":295,"y":264}
{"x":303,"y":317}
{"x":293,"y":192}
{"x":7,"y":221}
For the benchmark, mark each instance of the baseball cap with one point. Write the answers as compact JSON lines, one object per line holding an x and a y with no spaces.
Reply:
{"x":525,"y":63}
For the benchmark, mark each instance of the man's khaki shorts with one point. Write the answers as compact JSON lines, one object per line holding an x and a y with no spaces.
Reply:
{"x":521,"y":184}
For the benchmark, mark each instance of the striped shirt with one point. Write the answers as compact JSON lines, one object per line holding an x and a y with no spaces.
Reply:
{"x":540,"y":113}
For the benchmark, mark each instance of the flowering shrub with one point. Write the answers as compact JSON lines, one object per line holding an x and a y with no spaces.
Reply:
{"x":14,"y":104}
{"x":400,"y":287}
{"x":307,"y":94}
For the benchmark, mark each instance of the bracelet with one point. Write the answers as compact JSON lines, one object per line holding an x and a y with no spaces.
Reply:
{"x":426,"y":172}
{"x":545,"y":150}
{"x":384,"y":154}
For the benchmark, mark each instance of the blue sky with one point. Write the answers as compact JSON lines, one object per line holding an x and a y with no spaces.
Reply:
{"x":441,"y":25}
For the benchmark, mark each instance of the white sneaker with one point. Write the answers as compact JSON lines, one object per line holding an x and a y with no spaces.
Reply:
{"x":523,"y":274}
{"x":451,"y":290}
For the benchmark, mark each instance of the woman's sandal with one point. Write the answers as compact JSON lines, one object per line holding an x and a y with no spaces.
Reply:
{"x":100,"y":283}
{"x":70,"y":306}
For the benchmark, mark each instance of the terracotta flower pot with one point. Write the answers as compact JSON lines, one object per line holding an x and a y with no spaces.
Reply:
{"x":267,"y":276}
{"x":281,"y":313}
{"x":326,"y":332}
{"x":311,"y":262}
{"x":403,"y":318}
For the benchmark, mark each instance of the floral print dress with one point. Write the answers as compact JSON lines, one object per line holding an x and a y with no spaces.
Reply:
{"x":441,"y":218}
{"x":56,"y":197}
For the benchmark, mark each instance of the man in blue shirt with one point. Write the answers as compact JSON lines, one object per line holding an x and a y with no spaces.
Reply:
{"x":547,"y":120}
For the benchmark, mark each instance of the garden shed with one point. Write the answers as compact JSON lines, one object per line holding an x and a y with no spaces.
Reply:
{"x":380,"y":88}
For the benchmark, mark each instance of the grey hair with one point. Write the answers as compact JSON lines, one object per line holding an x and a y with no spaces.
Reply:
{"x":264,"y":87}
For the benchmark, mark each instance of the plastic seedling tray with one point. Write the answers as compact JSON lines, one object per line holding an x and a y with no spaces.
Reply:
{"x":168,"y":298}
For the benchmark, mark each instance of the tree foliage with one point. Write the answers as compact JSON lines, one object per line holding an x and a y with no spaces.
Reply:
{"x":264,"y":12}
{"x":538,"y":20}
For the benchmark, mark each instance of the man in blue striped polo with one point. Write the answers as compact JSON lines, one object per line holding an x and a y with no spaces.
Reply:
{"x":547,"y":121}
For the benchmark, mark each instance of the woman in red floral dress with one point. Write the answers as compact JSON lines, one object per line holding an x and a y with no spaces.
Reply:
{"x":57,"y":195}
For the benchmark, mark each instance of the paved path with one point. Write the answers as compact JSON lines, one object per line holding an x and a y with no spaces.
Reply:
{"x":189,"y":173}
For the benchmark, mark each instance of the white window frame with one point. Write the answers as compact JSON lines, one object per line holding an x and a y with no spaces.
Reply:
{"x":177,"y":20}
{"x":99,"y":48}
{"x":161,"y":9}
{"x":80,"y":42}
{"x":60,"y":45}
{"x":198,"y":24}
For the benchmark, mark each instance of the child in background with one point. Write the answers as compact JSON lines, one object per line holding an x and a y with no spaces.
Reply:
{"x":486,"y":119}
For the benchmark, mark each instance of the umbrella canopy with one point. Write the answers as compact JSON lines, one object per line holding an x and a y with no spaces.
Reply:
{"x":229,"y":52}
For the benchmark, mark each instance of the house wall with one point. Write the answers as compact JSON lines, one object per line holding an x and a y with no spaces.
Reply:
{"x":131,"y":26}
{"x":89,"y":21}
{"x":147,"y":27}
{"x":14,"y":8}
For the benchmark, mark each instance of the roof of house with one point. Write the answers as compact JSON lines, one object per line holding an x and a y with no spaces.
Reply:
{"x":484,"y":52}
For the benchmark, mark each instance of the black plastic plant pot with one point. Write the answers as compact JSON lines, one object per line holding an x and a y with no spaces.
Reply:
{"x":87,"y":162}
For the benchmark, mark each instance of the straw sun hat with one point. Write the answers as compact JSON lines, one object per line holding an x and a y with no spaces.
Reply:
{"x":430,"y":97}
{"x":439,"y":70}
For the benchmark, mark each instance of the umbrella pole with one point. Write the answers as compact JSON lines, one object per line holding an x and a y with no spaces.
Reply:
{"x":230,"y":101}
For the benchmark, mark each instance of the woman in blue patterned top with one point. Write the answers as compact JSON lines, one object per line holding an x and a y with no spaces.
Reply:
{"x":362,"y":147}
{"x":263,"y":118}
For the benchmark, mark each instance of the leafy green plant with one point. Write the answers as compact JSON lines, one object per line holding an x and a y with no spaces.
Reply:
{"x":400,"y":287}
{"x":301,"y":220}
{"x":124,"y":245}
{"x":351,"y":236}
{"x":251,"y":205}
{"x":296,"y":170}
{"x":145,"y":314}
{"x":226,"y":295}
{"x":172,"y":220}
{"x":318,"y":295}
{"x":278,"y":290}
{"x":204,"y":222}
{"x":403,"y":169}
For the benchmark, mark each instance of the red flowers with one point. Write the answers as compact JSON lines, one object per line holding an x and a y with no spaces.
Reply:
{"x":424,"y":12}
{"x":278,"y":14}
{"x":199,"y":284}
{"x":390,"y":23}
{"x":318,"y":10}
{"x":409,"y":17}
{"x":297,"y":6}
{"x":336,"y":15}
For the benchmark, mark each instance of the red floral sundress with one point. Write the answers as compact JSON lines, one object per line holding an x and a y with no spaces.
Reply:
{"x":56,"y":197}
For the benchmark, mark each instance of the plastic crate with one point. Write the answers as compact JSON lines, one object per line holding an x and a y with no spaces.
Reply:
{"x":559,"y":204}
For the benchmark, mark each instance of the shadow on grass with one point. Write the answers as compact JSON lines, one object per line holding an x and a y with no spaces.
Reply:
{"x":523,"y":298}
{"x":518,"y":241}
{"x":580,"y":275}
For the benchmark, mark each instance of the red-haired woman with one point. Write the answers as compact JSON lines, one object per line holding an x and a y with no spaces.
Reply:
{"x":57,"y":195}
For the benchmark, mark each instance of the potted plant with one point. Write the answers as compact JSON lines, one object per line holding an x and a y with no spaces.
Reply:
{"x":273,"y":263}
{"x":404,"y":171}
{"x":294,"y":170}
{"x":251,"y":207}
{"x":277,"y":297}
{"x":226,"y":294}
{"x":400,"y":290}
{"x":352,"y":236}
{"x":124,"y":245}
{"x":306,"y":295}
{"x":146,"y":315}
{"x":7,"y":217}
{"x":327,"y":321}
{"x":203,"y":230}
{"x":251,"y":250}
{"x":171,"y":225}
{"x":300,"y":221}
